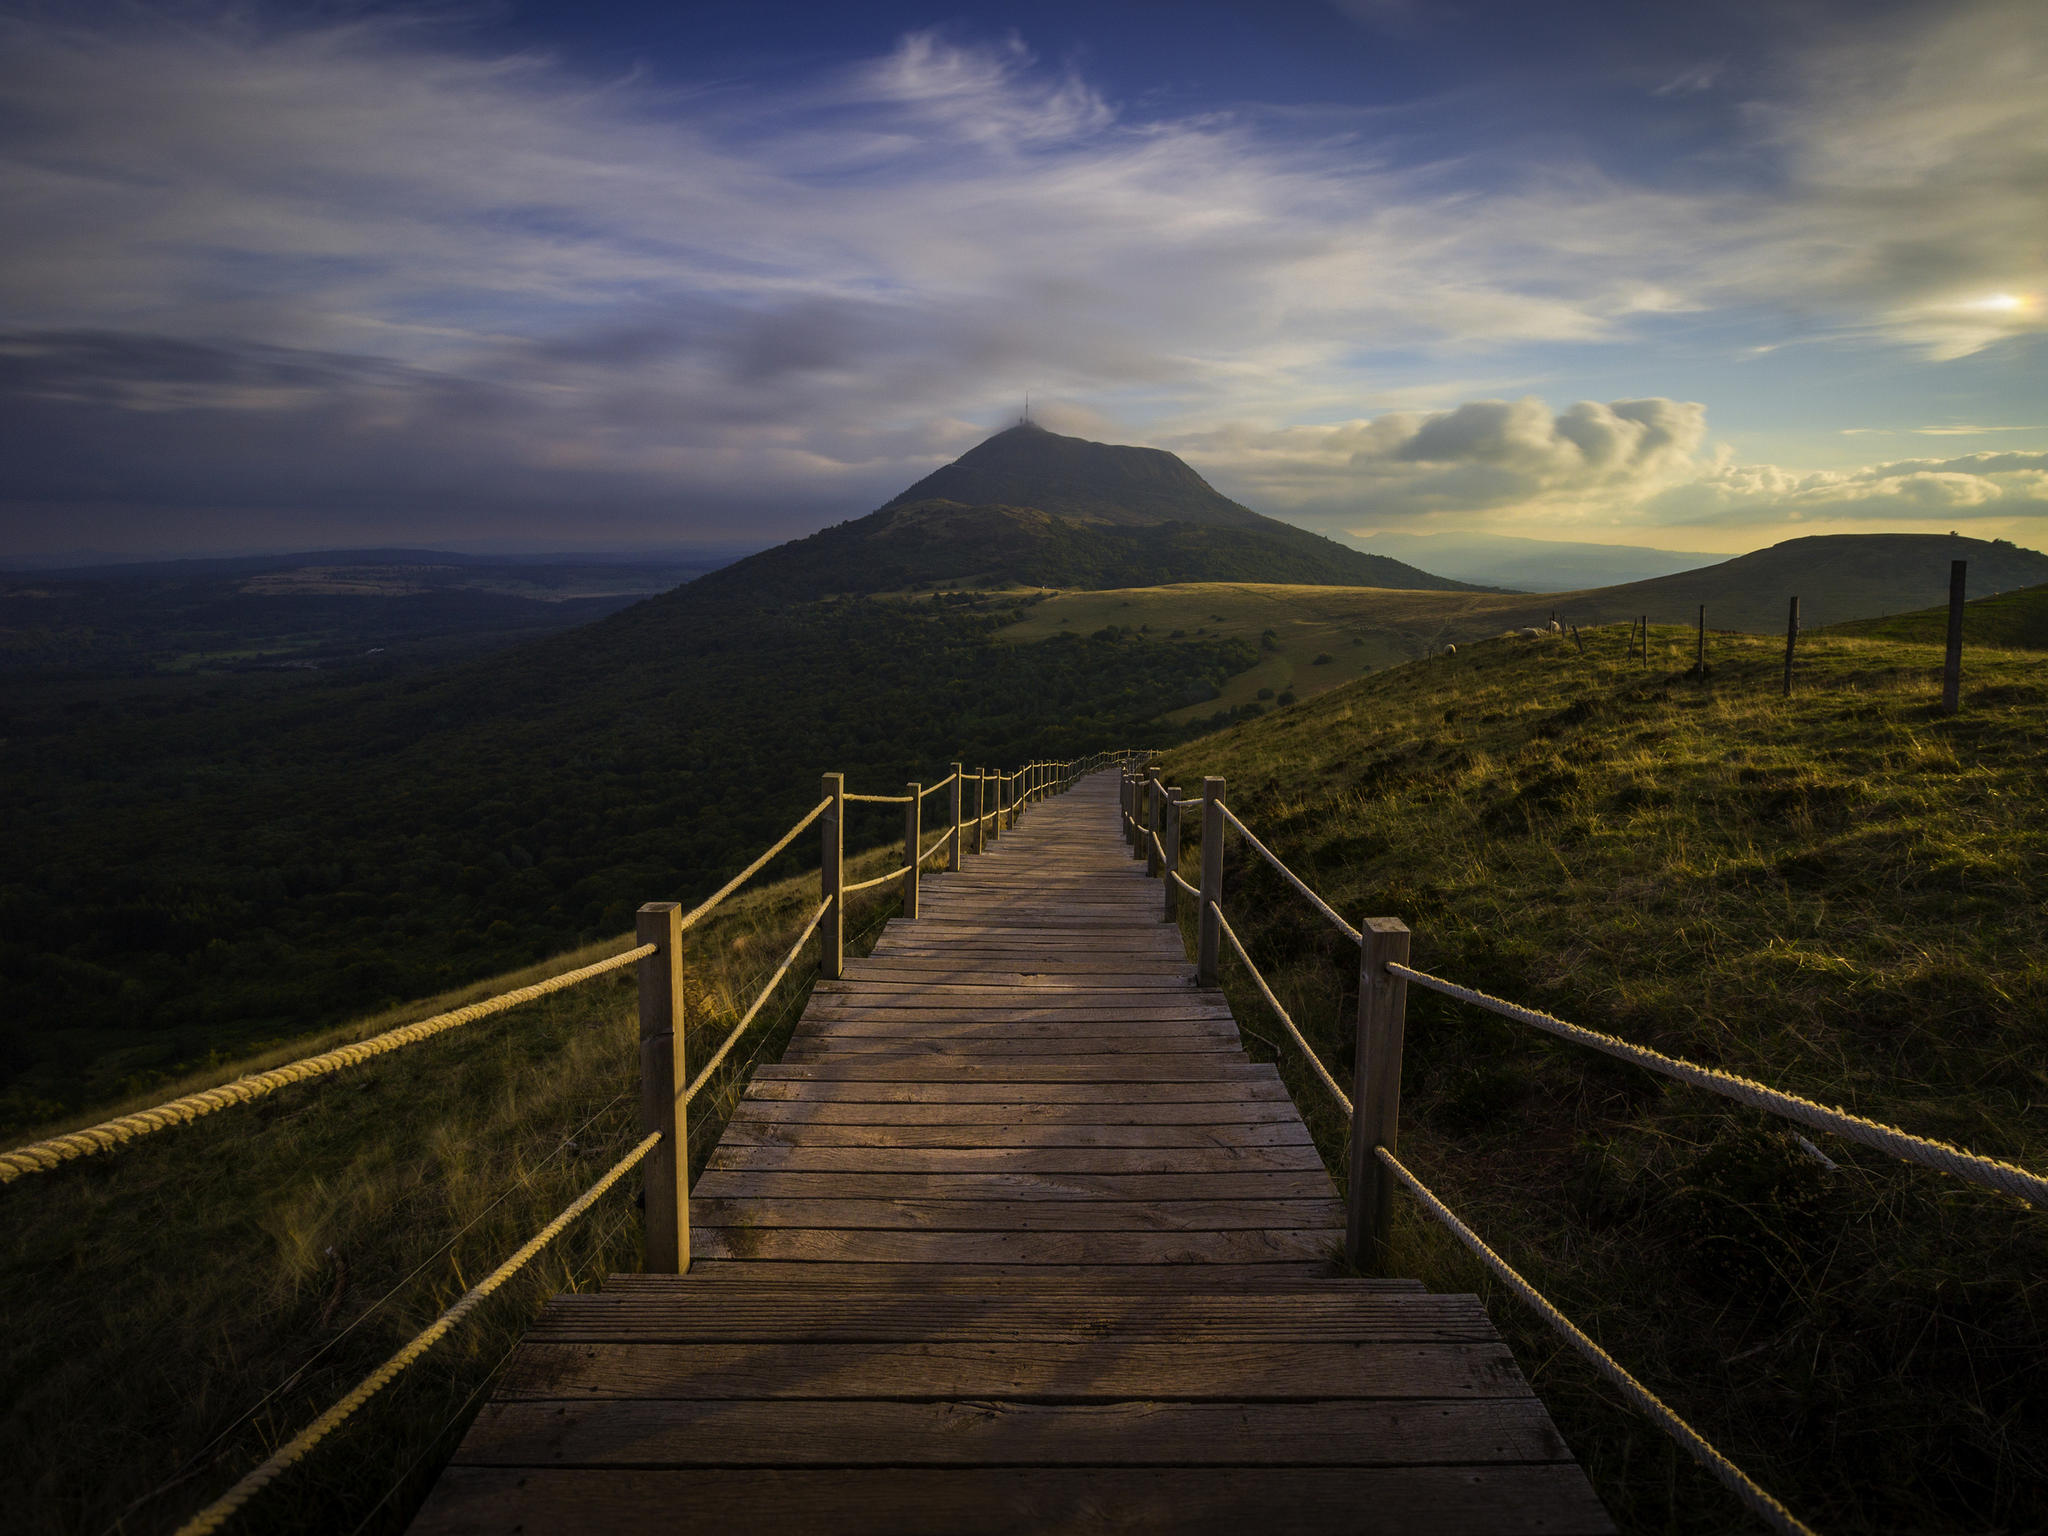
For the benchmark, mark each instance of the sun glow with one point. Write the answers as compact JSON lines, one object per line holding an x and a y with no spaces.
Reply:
{"x":2004,"y":304}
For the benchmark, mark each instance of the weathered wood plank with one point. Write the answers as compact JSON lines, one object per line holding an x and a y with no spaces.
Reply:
{"x":1165,"y":1160}
{"x":760,"y":1133}
{"x":1025,"y":1215}
{"x":1541,"y":1500}
{"x":840,"y":1245}
{"x":895,"y":1434}
{"x":1143,"y":1112}
{"x":1079,"y":1370}
{"x":1266,"y":1089}
{"x":1013,"y":1184}
{"x":933,"y":1069}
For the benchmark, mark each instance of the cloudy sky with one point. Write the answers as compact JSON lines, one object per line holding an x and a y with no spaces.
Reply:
{"x":590,"y":275}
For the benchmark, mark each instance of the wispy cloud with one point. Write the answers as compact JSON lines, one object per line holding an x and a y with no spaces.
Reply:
{"x":261,"y":265}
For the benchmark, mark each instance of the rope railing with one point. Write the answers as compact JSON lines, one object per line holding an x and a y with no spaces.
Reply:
{"x":661,"y":1028}
{"x":1288,"y":875}
{"x":690,"y":917}
{"x":2007,"y":1178}
{"x":869,"y":885}
{"x":1330,"y":1084}
{"x":767,"y":991}
{"x":216,"y":1514}
{"x":1730,"y":1476}
{"x":40,"y":1156}
{"x":1375,"y":1170}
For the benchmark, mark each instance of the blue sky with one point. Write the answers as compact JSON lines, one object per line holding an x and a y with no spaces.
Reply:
{"x":587,"y":275}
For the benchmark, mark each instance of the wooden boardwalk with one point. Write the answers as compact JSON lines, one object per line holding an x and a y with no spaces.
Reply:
{"x":1015,"y":1238}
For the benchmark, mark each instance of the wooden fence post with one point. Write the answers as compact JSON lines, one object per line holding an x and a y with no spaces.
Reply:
{"x":1212,"y":883}
{"x":980,"y":809}
{"x":1170,"y":838}
{"x":913,"y":839}
{"x":665,"y":1177}
{"x":1791,"y":644}
{"x":832,"y":879}
{"x":1376,"y":1092}
{"x":953,"y":858}
{"x":1154,"y":826}
{"x":995,"y":796}
{"x":1952,"y":664}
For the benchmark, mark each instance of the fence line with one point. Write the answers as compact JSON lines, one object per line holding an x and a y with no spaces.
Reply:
{"x":1150,"y":807}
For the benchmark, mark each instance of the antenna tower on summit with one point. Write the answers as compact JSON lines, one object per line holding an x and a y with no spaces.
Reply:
{"x":1027,"y":407}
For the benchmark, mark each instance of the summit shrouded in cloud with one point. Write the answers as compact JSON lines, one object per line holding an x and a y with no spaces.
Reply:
{"x":278,"y":276}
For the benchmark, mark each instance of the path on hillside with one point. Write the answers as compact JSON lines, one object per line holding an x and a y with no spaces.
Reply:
{"x":1015,"y":1238}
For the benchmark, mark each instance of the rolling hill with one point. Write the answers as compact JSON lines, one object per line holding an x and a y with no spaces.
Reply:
{"x":2010,"y":621}
{"x":1035,"y":508}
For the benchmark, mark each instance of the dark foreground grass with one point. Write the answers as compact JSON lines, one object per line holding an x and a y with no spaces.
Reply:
{"x":1842,"y":895}
{"x":179,"y":1308}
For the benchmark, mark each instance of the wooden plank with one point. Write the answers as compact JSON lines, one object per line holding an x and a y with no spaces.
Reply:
{"x":756,"y":1133}
{"x":1541,"y":1500}
{"x":1073,"y":1371}
{"x":1128,"y":1069}
{"x":1175,"y":1160}
{"x":752,"y":1183}
{"x":1267,"y":1089}
{"x":993,"y":1048}
{"x":893,"y":1434}
{"x":1145,"y":1112}
{"x":1025,"y":1215}
{"x":839,"y":1245}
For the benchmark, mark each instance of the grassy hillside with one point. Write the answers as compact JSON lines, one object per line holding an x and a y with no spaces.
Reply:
{"x":2011,"y":621}
{"x":188,"y":872}
{"x":158,"y":1294}
{"x":1844,"y":894}
{"x":1836,"y":577}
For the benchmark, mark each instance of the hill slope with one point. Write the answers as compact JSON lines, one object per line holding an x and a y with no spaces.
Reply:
{"x":1844,"y":895}
{"x":2011,"y":621}
{"x":1835,"y":576}
{"x":1031,"y":507}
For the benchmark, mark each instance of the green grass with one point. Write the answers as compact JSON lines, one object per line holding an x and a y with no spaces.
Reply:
{"x":1360,"y":629}
{"x":2011,"y":621}
{"x":1845,"y":895}
{"x":158,"y":1293}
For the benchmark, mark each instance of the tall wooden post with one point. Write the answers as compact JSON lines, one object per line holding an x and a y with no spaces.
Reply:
{"x":959,"y":784}
{"x":832,"y":879}
{"x":665,"y":1176}
{"x":980,"y":809}
{"x":1169,"y":837}
{"x":1952,"y":664}
{"x":1211,"y":931}
{"x":913,"y":839}
{"x":1376,"y":1092}
{"x":995,"y":796}
{"x":1791,"y":643}
{"x":1154,"y":828}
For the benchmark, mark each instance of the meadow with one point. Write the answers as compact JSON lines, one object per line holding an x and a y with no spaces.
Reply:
{"x":180,"y":1307}
{"x":1843,"y":894}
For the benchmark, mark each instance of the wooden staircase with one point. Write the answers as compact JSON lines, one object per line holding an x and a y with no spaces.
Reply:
{"x":1016,"y":1239}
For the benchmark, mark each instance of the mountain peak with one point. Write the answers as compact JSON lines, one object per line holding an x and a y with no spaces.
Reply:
{"x":1028,"y":466}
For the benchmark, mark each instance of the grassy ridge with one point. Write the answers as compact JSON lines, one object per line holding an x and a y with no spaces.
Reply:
{"x":158,"y":1293}
{"x":1845,"y":895}
{"x":2011,"y":621}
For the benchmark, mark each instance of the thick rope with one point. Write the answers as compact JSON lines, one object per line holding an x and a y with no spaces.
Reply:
{"x":2007,"y":1178}
{"x":869,"y":885}
{"x":878,"y":799}
{"x":944,"y":783}
{"x":1730,"y":1476}
{"x":753,"y":869}
{"x":216,"y":1514}
{"x":1315,"y":1061}
{"x":1181,"y":885}
{"x":40,"y":1156}
{"x":944,"y":836}
{"x":1288,"y":875}
{"x":766,"y":992}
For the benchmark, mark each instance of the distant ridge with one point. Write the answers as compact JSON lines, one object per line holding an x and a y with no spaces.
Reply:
{"x":1032,"y":507}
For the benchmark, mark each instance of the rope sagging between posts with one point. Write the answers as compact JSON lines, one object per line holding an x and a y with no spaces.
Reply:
{"x":40,"y":1156}
{"x":690,"y":917}
{"x":869,"y":885}
{"x":2007,"y":1178}
{"x":216,"y":1514}
{"x":1336,"y":1090}
{"x":1724,"y":1471}
{"x":1287,"y":874}
{"x":765,"y":993}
